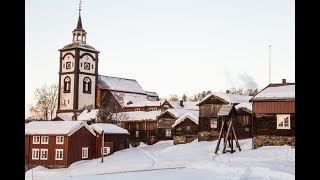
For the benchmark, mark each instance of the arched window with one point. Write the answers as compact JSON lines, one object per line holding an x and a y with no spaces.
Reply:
{"x":66,"y":84}
{"x":87,"y":85}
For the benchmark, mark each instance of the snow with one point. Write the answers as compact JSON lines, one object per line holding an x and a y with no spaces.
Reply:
{"x":127,"y":97}
{"x":186,"y":105}
{"x":55,"y":127}
{"x":279,"y":92}
{"x":140,"y":115}
{"x":193,"y":118}
{"x":195,"y":160}
{"x":66,"y":117}
{"x":225,"y":110}
{"x":180,"y":112}
{"x":108,"y":128}
{"x":86,"y":116}
{"x":230,"y":98}
{"x":145,"y":103}
{"x":246,"y":105}
{"x":121,"y":84}
{"x":152,"y":94}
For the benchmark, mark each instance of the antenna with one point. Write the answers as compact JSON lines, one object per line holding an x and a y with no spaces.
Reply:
{"x":80,"y":5}
{"x":270,"y":64}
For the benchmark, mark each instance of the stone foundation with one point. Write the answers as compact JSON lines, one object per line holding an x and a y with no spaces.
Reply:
{"x":208,"y":136}
{"x":264,"y":140}
{"x":183,"y":139}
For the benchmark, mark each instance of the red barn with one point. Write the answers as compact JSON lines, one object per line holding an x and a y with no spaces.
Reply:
{"x":58,"y":143}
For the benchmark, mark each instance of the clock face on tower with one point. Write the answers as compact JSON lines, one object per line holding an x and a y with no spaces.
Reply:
{"x":68,"y":65}
{"x":87,"y":66}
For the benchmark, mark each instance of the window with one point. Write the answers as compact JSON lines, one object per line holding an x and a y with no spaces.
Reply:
{"x":283,"y":121}
{"x":35,"y":153}
{"x":64,"y":65}
{"x":44,"y":154}
{"x":106,"y":150}
{"x":188,"y":128}
{"x":136,"y":109}
{"x":137,"y":133}
{"x":153,"y":109}
{"x":68,"y":64}
{"x":72,"y":64}
{"x":214,"y":123}
{"x":59,"y":140}
{"x":81,"y":64}
{"x":246,"y":129}
{"x":168,"y":132}
{"x":86,"y":66}
{"x":66,"y":84}
{"x":85,"y":152}
{"x":92,"y":66}
{"x":59,"y":154}
{"x":87,"y":85}
{"x":44,"y":139}
{"x":36,"y":140}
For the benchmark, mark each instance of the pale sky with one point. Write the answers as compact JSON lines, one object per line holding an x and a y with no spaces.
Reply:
{"x":168,"y":46}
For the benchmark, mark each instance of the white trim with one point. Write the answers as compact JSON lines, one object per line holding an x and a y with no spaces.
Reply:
{"x":43,"y":150}
{"x":168,"y":132}
{"x":58,"y":158}
{"x":136,"y":109}
{"x":35,"y":139}
{"x":59,"y":138}
{"x":213,"y":123}
{"x":33,"y":157}
{"x":106,"y":150}
{"x":85,"y":152}
{"x":281,"y":121}
{"x":44,"y":137}
{"x":79,"y":127}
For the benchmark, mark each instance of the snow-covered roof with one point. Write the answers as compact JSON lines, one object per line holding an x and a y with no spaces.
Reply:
{"x":87,"y":116}
{"x":55,"y":127}
{"x":186,"y":105}
{"x":120,"y":84}
{"x":278,"y":92}
{"x":140,"y":115}
{"x":124,"y":98}
{"x":153,"y":94}
{"x":245,"y":105}
{"x":108,"y":128}
{"x":66,"y":117}
{"x":180,"y":112}
{"x":225,"y":110}
{"x":145,"y":103}
{"x":182,"y":118}
{"x":230,"y":98}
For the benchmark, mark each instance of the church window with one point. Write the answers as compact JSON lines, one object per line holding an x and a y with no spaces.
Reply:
{"x":92,"y":66}
{"x":87,"y":85}
{"x":66,"y":85}
{"x":81,"y":64}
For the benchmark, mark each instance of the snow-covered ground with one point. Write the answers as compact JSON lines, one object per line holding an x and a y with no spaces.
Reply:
{"x":195,"y":160}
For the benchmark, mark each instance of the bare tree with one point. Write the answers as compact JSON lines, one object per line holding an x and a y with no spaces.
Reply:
{"x":174,"y":97}
{"x":47,"y":102}
{"x":184,"y":97}
{"x":199,"y":96}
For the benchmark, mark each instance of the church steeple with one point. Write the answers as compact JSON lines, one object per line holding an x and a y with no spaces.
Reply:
{"x":79,"y":34}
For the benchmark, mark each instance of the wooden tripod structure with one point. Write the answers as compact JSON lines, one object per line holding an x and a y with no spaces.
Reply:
{"x":227,"y":132}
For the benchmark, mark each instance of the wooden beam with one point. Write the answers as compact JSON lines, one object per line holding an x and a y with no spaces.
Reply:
{"x":231,"y":142}
{"x":219,"y":139}
{"x":227,"y":136}
{"x":235,"y":137}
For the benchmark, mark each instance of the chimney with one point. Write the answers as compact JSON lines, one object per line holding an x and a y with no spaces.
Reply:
{"x":283,"y":81}
{"x":181,"y":103}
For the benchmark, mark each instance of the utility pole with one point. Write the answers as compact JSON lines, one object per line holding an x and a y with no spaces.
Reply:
{"x":102,"y":150}
{"x":270,"y":64}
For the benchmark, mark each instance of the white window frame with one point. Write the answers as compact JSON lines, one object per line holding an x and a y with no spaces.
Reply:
{"x":136,"y":109}
{"x":188,"y":128}
{"x":168,"y":132}
{"x":105,"y":150}
{"x":137,"y":133}
{"x":85,"y":152}
{"x":214,"y":123}
{"x":42,"y":152}
{"x":56,"y":157}
{"x":33,"y":157}
{"x":42,"y":139}
{"x":280,"y":119}
{"x":153,"y":109}
{"x":36,"y":140}
{"x":59,"y":139}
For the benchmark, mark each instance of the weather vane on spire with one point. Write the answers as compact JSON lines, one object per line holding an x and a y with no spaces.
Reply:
{"x":80,"y":5}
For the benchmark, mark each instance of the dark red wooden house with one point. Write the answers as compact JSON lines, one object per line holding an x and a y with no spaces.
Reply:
{"x":58,"y":143}
{"x":274,"y":115}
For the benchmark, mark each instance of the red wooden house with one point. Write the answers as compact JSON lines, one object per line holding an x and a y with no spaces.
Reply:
{"x":274,"y":115}
{"x":58,"y":143}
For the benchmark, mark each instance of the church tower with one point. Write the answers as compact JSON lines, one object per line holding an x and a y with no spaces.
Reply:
{"x":78,"y":74}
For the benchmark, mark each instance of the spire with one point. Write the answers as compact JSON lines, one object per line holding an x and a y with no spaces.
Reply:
{"x":79,"y":34}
